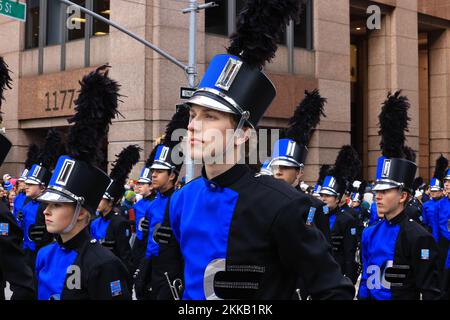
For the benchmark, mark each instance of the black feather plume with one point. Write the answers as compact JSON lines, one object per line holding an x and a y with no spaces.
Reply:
{"x":5,"y":79}
{"x":50,"y":151}
{"x":151,"y":157}
{"x":306,"y":117}
{"x":259,"y":26}
{"x":96,"y":106}
{"x":323,"y":172}
{"x":32,"y":156}
{"x":125,"y":161}
{"x":393,"y":125}
{"x":346,"y":167}
{"x":418,"y":182}
{"x":180,"y":120}
{"x":362,"y":189}
{"x":409,"y":153}
{"x":441,"y":168}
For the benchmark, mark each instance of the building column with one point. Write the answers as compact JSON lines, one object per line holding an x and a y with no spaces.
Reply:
{"x":393,"y":64}
{"x":12,"y":34}
{"x":332,"y":69}
{"x":439,"y":51}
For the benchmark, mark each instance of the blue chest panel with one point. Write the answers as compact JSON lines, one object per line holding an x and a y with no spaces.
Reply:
{"x":378,"y":249}
{"x":155,"y":213}
{"x":201,"y":215}
{"x":140,"y":209}
{"x":444,"y":218}
{"x":30,"y":211}
{"x":99,"y":227}
{"x":18,"y":205}
{"x":332,"y":219}
{"x":51,"y":270}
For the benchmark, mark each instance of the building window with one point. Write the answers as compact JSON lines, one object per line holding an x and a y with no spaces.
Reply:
{"x":100,"y":28}
{"x":216,"y":18}
{"x":32,"y":25}
{"x":56,"y":24}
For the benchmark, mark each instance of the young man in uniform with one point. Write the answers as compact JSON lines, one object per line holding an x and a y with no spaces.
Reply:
{"x":289,"y":155}
{"x":399,"y":256}
{"x":35,"y":233}
{"x":243,"y":236}
{"x":112,"y":229}
{"x":430,"y":208}
{"x":342,"y":226}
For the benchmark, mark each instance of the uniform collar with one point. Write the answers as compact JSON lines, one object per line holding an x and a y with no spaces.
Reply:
{"x":397,"y":219}
{"x":166,"y":194}
{"x":228,"y":177}
{"x":77,"y":241}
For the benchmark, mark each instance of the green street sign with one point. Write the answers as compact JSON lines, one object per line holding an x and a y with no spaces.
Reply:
{"x":13,"y":9}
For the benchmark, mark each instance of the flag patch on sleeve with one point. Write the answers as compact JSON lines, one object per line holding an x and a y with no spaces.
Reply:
{"x":353,"y":231}
{"x":116,"y":289}
{"x":4,"y":229}
{"x":312,"y":212}
{"x":425,"y":254}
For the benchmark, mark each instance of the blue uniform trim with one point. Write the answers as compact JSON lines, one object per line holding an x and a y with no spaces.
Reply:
{"x":332,"y":219}
{"x":29,"y":211}
{"x":18,"y":205}
{"x":140,"y":209}
{"x":51,"y":270}
{"x":155,"y":214}
{"x":378,"y":249}
{"x":99,"y":227}
{"x":201,"y":211}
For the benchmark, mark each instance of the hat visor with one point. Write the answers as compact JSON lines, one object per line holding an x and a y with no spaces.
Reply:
{"x":29,"y":181}
{"x":284,"y":163}
{"x":435,"y":189}
{"x":50,"y":196}
{"x":160,"y":166}
{"x":383,"y":187}
{"x":328,"y":192}
{"x":144,"y":180}
{"x":210,"y":103}
{"x":21,"y":179}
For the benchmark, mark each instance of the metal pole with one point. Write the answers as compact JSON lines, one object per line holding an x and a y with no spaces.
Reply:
{"x":131,"y":34}
{"x":87,"y":35}
{"x":42,"y":34}
{"x":290,"y":46}
{"x":190,"y":167}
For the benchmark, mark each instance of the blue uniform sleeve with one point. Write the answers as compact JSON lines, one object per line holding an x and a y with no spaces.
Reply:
{"x":444,"y":218}
{"x":152,"y":246}
{"x":363,"y":292}
{"x":174,"y":216}
{"x":373,"y":214}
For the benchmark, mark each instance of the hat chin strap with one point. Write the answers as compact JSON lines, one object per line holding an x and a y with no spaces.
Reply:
{"x":237,"y":133}
{"x":74,"y":218}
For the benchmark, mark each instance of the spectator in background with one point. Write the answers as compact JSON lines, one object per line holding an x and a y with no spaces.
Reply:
{"x":11,"y":197}
{"x":4,"y":197}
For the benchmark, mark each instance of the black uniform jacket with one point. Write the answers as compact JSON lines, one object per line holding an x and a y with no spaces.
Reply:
{"x":13,"y":266}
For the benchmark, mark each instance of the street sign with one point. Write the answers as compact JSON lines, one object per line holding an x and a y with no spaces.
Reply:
{"x":13,"y":9}
{"x":186,"y":93}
